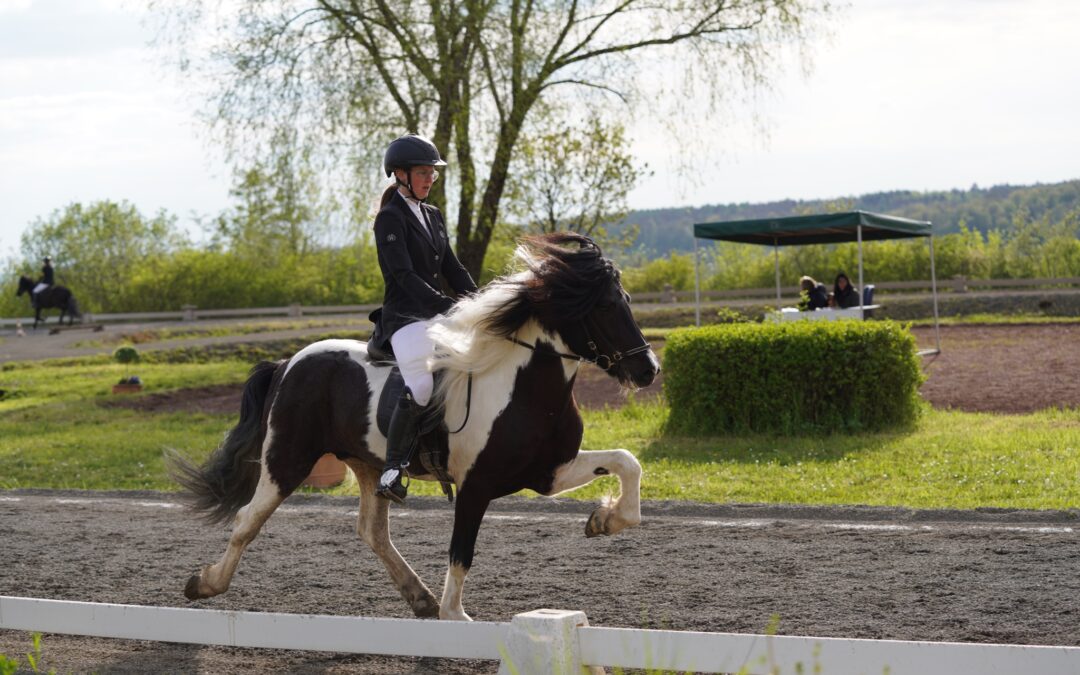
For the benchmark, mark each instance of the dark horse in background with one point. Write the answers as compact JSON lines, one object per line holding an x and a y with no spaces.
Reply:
{"x":522,"y":339}
{"x":53,"y":297}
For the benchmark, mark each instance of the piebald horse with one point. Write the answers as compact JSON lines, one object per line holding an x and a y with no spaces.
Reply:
{"x":522,"y":339}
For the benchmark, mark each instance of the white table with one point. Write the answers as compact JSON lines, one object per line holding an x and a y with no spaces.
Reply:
{"x":827,"y":314}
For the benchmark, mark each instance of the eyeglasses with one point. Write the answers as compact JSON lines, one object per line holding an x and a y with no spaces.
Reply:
{"x":428,"y":173}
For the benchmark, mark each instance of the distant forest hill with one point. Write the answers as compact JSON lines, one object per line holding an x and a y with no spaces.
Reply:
{"x":983,"y":209}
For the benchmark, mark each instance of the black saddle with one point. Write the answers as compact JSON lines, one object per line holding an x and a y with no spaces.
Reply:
{"x":433,"y":446}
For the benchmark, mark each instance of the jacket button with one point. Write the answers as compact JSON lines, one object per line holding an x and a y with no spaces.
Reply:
{"x":436,"y":275}
{"x":436,"y":256}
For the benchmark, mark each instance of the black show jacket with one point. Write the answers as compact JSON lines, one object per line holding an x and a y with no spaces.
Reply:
{"x":413,"y":265}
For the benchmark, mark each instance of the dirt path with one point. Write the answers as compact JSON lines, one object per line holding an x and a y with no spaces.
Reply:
{"x":41,"y":345}
{"x":988,"y":576}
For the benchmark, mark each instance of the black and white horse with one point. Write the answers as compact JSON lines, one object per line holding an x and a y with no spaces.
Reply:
{"x":57,"y":296}
{"x":522,"y":338}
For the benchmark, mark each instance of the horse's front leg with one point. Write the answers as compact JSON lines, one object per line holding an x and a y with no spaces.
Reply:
{"x":613,"y":515}
{"x":373,"y":526}
{"x":468,"y":514}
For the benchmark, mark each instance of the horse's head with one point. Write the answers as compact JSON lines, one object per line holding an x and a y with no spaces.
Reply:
{"x":576,"y":293}
{"x":26,"y":284}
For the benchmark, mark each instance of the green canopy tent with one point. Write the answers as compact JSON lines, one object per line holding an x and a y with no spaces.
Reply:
{"x":829,"y":228}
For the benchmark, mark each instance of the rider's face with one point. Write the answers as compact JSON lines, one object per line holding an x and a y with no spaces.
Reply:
{"x":422,"y":177}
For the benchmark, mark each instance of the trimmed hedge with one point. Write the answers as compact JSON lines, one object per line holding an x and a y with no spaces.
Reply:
{"x":799,"y":377}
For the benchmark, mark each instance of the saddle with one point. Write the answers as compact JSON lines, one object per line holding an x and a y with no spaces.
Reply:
{"x":433,"y":444}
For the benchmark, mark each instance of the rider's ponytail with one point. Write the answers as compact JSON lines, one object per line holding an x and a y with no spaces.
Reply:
{"x":388,"y":194}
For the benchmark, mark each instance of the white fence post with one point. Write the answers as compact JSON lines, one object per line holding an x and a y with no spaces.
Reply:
{"x":545,"y":642}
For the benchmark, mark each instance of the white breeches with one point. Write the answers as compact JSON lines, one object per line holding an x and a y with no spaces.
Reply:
{"x":412,"y":347}
{"x":39,"y":288}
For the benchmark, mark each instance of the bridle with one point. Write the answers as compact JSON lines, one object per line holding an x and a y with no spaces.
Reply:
{"x":598,"y":359}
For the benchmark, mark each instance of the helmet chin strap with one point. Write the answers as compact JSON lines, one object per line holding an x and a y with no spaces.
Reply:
{"x":407,"y":186}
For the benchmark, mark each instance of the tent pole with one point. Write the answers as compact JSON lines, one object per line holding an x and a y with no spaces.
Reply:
{"x":697,"y":285}
{"x":862,"y":287}
{"x":933,"y":287}
{"x":776,"y":263}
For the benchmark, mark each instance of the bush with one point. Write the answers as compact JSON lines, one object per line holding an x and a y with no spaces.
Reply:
{"x":800,"y":377}
{"x":126,"y":354}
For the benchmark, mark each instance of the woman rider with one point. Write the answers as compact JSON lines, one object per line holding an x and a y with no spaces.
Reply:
{"x":47,"y":280}
{"x":415,"y":257}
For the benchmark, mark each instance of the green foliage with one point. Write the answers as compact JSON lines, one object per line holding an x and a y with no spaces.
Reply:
{"x":10,"y":666}
{"x":98,"y":248}
{"x":126,"y":355}
{"x":676,"y":270}
{"x":791,"y":378}
{"x":574,"y":177}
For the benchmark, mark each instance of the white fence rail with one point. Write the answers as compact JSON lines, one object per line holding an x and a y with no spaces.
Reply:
{"x":543,"y":641}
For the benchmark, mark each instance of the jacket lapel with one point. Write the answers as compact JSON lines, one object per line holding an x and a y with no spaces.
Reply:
{"x":411,"y":218}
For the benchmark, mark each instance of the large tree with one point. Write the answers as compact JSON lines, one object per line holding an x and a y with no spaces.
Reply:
{"x":346,"y":76}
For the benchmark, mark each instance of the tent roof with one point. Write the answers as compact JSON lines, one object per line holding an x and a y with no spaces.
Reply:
{"x":818,"y":229}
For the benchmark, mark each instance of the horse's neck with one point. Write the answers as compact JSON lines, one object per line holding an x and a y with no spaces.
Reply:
{"x":545,"y":379}
{"x":538,"y":376}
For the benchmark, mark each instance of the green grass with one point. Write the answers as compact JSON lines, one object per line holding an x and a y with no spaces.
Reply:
{"x":1004,"y":319}
{"x":946,"y":460}
{"x":55,"y":433}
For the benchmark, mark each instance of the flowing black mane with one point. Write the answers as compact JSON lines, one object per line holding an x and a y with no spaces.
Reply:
{"x":567,"y":275}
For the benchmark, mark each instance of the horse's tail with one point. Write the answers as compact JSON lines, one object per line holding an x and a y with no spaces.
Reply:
{"x":73,"y":307}
{"x":227,"y":480}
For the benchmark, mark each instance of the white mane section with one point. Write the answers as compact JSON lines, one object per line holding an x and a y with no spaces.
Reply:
{"x":462,"y":346}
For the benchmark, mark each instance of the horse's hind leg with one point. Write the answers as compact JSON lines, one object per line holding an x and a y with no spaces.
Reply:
{"x":613,"y":515}
{"x":373,"y":526}
{"x":214,"y":579}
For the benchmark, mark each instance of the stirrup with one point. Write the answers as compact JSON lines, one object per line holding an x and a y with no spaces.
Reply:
{"x":395,"y":489}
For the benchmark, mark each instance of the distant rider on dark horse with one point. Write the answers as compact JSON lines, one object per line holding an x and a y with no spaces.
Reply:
{"x":47,"y":280}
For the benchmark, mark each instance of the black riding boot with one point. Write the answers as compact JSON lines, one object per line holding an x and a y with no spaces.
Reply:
{"x":401,"y":440}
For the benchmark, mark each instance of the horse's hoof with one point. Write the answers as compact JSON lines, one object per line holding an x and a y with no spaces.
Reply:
{"x":191,"y":590}
{"x":426,"y":608}
{"x":597,"y":524}
{"x":454,"y":616}
{"x":194,"y":588}
{"x":607,"y":520}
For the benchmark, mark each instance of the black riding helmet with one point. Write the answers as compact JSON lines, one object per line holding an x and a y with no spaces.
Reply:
{"x":408,"y":151}
{"x":411,"y":150}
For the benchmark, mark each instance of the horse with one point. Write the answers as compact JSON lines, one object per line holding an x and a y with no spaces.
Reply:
{"x":55,"y":296}
{"x":506,"y":359}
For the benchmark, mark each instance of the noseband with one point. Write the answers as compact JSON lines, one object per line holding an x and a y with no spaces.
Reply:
{"x":603,"y":361}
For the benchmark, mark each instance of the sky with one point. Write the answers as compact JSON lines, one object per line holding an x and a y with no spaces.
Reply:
{"x":904,"y":95}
